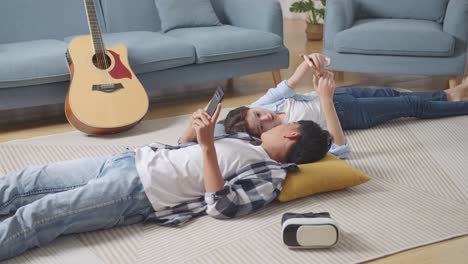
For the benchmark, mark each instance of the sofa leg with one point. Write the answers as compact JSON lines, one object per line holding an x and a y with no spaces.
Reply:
{"x":276,"y":76}
{"x":339,"y":76}
{"x":454,"y":81}
{"x":230,"y":84}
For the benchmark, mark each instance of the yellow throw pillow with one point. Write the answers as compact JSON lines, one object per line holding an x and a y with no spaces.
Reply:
{"x":328,"y":174}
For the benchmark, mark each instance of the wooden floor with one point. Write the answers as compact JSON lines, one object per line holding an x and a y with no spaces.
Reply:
{"x":185,"y":100}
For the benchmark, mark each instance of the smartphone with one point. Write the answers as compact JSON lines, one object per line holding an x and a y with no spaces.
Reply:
{"x":217,"y":98}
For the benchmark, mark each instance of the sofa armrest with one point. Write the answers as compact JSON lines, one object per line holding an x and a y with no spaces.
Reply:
{"x":456,"y":20}
{"x":264,"y":15}
{"x":339,"y":15}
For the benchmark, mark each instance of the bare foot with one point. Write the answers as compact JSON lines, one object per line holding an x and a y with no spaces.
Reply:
{"x":458,"y":92}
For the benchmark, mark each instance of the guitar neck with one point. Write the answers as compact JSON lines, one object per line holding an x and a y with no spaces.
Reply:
{"x":94,"y":28}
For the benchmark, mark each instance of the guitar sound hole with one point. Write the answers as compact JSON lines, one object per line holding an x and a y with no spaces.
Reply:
{"x":101,"y":61}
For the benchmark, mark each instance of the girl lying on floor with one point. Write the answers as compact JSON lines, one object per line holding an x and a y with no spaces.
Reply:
{"x":335,"y":110}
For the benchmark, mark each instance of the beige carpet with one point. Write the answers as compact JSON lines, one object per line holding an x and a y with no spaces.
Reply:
{"x":418,"y":194}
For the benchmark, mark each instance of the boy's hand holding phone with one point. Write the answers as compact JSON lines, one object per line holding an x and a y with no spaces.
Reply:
{"x":204,"y":126}
{"x":203,"y":116}
{"x":204,"y":121}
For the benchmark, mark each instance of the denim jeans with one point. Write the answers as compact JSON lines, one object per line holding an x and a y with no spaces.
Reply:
{"x":69,"y":197}
{"x":367,"y":107}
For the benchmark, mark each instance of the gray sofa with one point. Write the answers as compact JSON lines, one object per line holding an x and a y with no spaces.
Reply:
{"x":34,"y":36}
{"x":427,"y":37}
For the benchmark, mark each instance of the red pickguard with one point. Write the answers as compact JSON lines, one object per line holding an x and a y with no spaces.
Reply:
{"x":119,"y":71}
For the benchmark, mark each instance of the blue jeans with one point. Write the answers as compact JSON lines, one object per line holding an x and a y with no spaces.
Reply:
{"x":69,"y":197}
{"x":367,"y":107}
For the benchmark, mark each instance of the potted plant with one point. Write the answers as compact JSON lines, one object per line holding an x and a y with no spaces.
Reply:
{"x":314,"y":30}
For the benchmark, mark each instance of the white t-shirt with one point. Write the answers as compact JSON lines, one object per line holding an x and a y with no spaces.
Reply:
{"x":304,"y":110}
{"x":171,"y":177}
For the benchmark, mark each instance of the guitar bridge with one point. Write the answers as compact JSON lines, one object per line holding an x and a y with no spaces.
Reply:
{"x":107,"y":88}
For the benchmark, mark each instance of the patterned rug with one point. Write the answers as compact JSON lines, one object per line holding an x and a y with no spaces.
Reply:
{"x":417,"y":195}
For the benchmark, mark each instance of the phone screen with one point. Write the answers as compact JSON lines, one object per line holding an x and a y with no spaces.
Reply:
{"x":217,"y":98}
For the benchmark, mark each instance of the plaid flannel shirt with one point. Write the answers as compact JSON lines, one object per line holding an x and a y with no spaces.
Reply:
{"x":249,"y":189}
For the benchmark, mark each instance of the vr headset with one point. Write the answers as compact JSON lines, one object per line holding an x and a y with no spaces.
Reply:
{"x":309,"y":230}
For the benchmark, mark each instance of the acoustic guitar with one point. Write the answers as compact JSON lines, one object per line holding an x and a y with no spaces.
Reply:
{"x":104,"y":96}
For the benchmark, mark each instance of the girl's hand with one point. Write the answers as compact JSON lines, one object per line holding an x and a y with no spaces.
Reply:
{"x":317,"y":62}
{"x":326,"y":86}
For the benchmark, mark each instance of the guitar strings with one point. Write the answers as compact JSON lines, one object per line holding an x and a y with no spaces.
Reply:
{"x":99,"y":47}
{"x":91,"y":27}
{"x":89,"y":9}
{"x":105,"y":61}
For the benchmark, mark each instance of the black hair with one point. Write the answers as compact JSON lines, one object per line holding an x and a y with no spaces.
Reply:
{"x":312,"y":145}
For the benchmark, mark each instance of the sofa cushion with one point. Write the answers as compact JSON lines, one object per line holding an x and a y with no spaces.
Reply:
{"x":405,"y":37}
{"x":433,"y":10}
{"x":33,"y":62}
{"x":228,"y":42}
{"x":151,"y":51}
{"x":174,"y":14}
{"x":23,"y":20}
{"x":125,"y":15}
